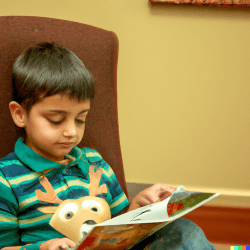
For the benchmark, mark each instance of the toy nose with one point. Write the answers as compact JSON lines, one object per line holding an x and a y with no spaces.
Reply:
{"x":85,"y":227}
{"x":90,"y":222}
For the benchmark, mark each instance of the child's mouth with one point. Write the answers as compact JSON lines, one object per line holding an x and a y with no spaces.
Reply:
{"x":66,"y":144}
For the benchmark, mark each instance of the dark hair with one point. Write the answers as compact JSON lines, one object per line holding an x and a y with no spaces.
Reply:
{"x":47,"y":69}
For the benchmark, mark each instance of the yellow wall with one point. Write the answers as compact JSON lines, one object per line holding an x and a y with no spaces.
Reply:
{"x":183,"y":87}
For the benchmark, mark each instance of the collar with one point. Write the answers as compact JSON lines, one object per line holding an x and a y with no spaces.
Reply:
{"x":39,"y":163}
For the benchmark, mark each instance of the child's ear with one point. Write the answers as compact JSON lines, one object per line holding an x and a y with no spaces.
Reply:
{"x":18,"y":113}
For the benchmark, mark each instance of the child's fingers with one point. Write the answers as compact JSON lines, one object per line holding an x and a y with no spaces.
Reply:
{"x":70,"y":243}
{"x":168,"y":192}
{"x":161,"y":192}
{"x":155,"y":193}
{"x":63,"y":246}
{"x":57,"y":244}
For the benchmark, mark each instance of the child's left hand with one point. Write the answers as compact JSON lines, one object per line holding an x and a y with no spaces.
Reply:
{"x":157,"y":192}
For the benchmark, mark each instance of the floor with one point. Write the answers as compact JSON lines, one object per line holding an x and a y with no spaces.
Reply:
{"x":221,"y":246}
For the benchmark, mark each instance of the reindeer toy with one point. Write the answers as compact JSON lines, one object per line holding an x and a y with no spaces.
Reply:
{"x":73,"y":217}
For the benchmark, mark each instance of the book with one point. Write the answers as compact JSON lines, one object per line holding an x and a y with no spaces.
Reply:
{"x":127,"y":230}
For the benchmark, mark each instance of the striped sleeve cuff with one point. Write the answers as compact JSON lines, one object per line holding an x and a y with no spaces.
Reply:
{"x":35,"y":246}
{"x":119,"y":204}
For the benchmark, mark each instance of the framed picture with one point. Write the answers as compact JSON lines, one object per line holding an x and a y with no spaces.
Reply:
{"x":222,"y":3}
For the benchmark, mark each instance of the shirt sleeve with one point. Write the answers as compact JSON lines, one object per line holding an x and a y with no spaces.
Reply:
{"x":119,"y":200}
{"x":9,"y":235}
{"x":35,"y":246}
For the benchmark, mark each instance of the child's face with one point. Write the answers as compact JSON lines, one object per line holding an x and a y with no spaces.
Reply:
{"x":55,"y":125}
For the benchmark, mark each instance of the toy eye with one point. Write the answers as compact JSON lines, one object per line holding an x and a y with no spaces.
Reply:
{"x":69,"y":215}
{"x":68,"y":211}
{"x":94,"y":209}
{"x":91,"y":204}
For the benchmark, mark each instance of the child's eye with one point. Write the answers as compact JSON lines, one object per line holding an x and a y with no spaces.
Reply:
{"x":55,"y":122}
{"x":79,"y":121}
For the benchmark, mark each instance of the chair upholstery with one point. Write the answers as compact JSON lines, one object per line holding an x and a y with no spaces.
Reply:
{"x":97,"y":48}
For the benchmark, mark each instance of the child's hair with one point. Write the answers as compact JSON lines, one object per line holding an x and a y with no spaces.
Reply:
{"x":47,"y":69}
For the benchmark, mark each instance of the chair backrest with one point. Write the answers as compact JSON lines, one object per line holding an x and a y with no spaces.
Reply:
{"x":97,"y":48}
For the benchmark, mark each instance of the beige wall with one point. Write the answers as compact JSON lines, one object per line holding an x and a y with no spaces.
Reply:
{"x":183,"y":88}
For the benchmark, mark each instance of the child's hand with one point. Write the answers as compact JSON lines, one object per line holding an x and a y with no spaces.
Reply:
{"x":157,"y":192}
{"x":57,"y":244}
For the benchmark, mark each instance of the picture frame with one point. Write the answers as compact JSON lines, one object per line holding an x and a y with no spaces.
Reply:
{"x":218,"y":3}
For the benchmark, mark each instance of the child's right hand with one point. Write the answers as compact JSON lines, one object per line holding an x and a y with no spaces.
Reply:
{"x":157,"y":192}
{"x":57,"y":244}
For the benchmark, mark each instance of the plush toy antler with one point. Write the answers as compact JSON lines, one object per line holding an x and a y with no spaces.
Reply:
{"x":95,"y":178}
{"x":71,"y":216}
{"x":50,"y":196}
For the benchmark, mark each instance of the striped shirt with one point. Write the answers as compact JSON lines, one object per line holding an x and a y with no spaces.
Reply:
{"x":20,"y":220}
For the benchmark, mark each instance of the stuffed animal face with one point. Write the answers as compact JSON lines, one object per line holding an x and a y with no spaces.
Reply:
{"x":73,"y":217}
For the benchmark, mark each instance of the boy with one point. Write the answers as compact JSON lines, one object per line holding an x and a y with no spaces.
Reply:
{"x":52,"y":97}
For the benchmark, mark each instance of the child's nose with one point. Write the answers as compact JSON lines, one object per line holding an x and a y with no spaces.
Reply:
{"x":70,"y":129}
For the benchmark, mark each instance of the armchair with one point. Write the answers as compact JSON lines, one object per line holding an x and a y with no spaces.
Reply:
{"x":97,"y":48}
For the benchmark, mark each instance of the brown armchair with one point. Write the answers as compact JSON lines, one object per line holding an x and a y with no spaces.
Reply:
{"x":97,"y":48}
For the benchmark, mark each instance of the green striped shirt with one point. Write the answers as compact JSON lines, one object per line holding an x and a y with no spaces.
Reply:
{"x":20,"y":220}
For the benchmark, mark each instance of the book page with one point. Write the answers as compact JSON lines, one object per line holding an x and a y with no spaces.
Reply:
{"x":178,"y":204}
{"x":127,"y":229}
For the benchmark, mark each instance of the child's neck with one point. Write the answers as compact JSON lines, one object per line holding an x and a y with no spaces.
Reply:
{"x":65,"y":161}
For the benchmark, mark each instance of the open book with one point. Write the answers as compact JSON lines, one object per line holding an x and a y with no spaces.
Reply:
{"x":126,"y":230}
